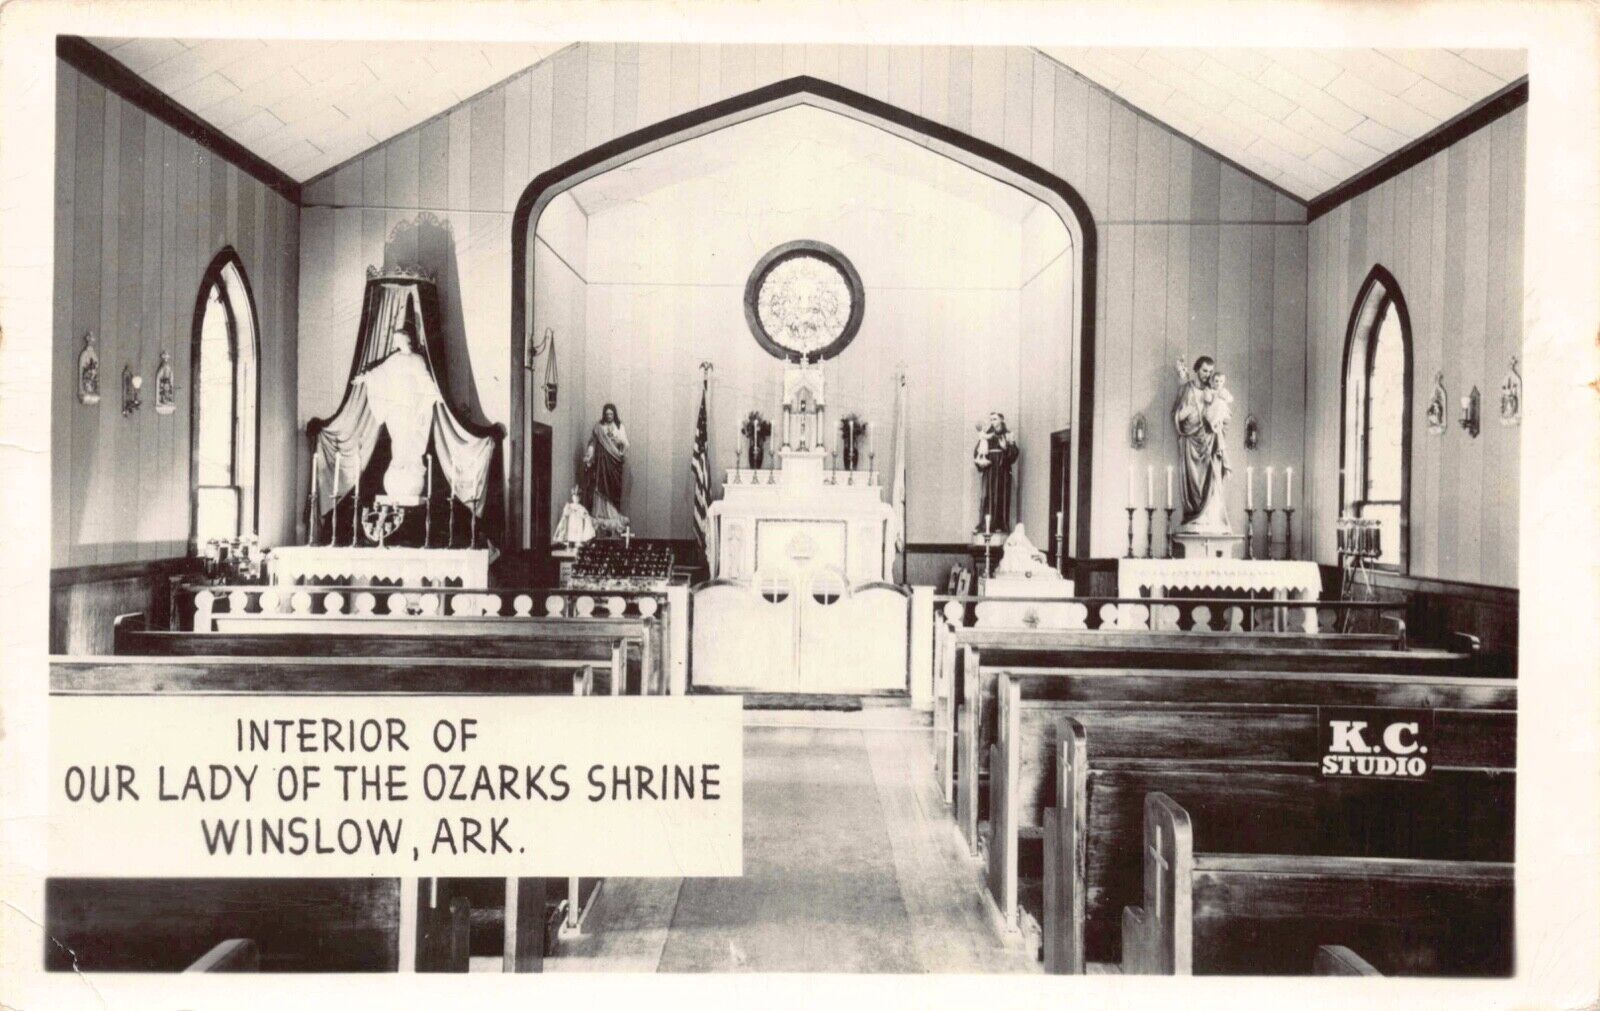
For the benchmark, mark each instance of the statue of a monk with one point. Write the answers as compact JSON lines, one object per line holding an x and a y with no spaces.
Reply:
{"x":993,"y":456}
{"x":1200,"y":414}
{"x":602,"y":471}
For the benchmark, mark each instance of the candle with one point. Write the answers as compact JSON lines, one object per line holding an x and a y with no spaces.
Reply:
{"x":1288,"y":488}
{"x":1132,"y":469}
{"x":986,"y":517}
{"x":1249,"y":487}
{"x":1149,"y":487}
{"x":1269,"y":487}
{"x":1169,"y":486}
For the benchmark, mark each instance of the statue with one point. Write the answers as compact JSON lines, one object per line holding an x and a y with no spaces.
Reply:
{"x":402,"y":395}
{"x":576,"y":526}
{"x":993,"y":456}
{"x":1022,"y":559}
{"x":602,"y":471}
{"x":1201,"y":414}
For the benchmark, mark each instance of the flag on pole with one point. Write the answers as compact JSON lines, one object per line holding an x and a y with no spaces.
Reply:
{"x":897,"y":487}
{"x":700,"y":470}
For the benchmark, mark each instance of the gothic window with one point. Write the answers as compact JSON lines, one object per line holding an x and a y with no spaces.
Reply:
{"x":1375,"y":463}
{"x":223,"y":463}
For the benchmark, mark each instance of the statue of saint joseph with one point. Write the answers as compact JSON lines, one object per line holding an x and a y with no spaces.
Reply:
{"x":1201,"y":414}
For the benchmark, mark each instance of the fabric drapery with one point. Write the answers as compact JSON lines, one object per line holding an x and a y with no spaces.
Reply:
{"x":395,"y":388}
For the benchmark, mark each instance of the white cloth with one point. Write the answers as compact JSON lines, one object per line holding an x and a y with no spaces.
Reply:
{"x":1160,"y":575}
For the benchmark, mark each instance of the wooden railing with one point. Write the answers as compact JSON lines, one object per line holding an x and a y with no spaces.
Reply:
{"x":196,"y":606}
{"x":1168,"y":614}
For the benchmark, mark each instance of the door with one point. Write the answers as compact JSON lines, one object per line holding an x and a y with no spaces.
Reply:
{"x":1060,"y":494}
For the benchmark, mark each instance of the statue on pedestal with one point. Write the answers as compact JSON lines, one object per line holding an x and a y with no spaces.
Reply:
{"x":993,"y":456}
{"x":602,"y":471}
{"x":575,"y":526}
{"x":1201,"y":414}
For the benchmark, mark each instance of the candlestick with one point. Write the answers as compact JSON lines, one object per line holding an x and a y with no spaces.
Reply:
{"x":451,"y":500}
{"x":1288,"y":489}
{"x":1249,"y":487}
{"x":1266,"y":540}
{"x":1288,"y":534}
{"x":736,"y":466}
{"x":1149,"y":531}
{"x":1269,"y":502}
{"x":427,"y":501}
{"x":1149,"y":487}
{"x":986,"y":518}
{"x":1132,"y":484}
{"x":1169,"y":487}
{"x":1061,"y":542}
{"x":1130,"y":528}
{"x":872,"y":467}
{"x":1249,"y":532}
{"x":312,"y":521}
{"x":1168,"y":530}
{"x":355,"y":507}
{"x":472,"y":523}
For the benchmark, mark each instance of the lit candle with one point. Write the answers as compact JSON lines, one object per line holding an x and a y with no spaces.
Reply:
{"x":1169,"y":486}
{"x":1288,"y":488}
{"x":1131,"y":479}
{"x":1149,"y":487}
{"x":1249,"y":487}
{"x":1269,"y":487}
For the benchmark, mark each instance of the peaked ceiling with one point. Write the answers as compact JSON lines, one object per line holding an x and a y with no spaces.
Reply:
{"x":1303,"y":119}
{"x":305,"y":106}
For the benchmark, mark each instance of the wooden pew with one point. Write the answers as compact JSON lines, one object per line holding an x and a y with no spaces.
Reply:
{"x":985,"y":654}
{"x":603,"y":643}
{"x":288,"y":925}
{"x":1240,"y":914}
{"x":1254,"y":772}
{"x":1337,"y":960}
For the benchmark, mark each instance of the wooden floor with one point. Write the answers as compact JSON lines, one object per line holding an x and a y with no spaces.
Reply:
{"x":852,"y":864}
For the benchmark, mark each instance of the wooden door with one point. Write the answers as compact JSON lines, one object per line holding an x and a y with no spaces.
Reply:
{"x":1060,"y":494}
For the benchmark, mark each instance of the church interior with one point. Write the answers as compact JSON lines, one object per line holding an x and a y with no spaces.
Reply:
{"x":1041,"y":441}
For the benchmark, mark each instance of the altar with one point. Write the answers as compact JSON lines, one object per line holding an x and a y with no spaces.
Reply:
{"x":1159,"y":577}
{"x":801,"y":515}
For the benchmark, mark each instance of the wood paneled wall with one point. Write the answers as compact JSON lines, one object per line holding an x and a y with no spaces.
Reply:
{"x":1450,"y":230}
{"x":1194,"y":257}
{"x":141,"y":210}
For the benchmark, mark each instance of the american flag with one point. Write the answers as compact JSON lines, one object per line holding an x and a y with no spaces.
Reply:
{"x":700,"y":469}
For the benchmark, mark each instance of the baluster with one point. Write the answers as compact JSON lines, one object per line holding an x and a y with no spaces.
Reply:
{"x":523,"y":605}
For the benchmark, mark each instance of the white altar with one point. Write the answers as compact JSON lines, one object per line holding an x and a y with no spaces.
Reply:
{"x":288,"y":566}
{"x":1156,"y":577}
{"x":801,"y":515}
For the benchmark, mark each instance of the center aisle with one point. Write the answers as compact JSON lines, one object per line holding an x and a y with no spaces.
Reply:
{"x":851,"y":865}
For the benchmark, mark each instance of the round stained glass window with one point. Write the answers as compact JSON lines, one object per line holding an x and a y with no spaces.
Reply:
{"x":804,"y":301}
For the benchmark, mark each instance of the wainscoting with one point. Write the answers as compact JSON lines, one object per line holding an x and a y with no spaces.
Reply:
{"x":86,"y":599}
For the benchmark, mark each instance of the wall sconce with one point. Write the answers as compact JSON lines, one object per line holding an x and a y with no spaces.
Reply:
{"x":1140,"y":434}
{"x":166,"y":386}
{"x":131,"y":385}
{"x":534,"y":350}
{"x":1469,"y":412}
{"x":1252,"y":432}
{"x":1437,"y":406}
{"x":89,"y":371}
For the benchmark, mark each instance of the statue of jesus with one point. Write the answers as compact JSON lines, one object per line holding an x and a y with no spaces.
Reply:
{"x":1200,"y":414}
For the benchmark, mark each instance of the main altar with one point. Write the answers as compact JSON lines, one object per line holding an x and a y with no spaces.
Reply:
{"x":804,"y":514}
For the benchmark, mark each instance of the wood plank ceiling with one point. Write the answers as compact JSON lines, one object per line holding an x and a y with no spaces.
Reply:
{"x":1305,"y":120}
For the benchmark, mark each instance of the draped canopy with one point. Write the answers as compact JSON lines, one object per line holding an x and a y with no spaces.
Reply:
{"x":397,"y":387}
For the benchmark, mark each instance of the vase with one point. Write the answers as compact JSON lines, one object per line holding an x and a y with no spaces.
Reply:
{"x":757,"y":453}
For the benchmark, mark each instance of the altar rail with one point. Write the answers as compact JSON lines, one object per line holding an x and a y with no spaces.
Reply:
{"x":198,"y":607}
{"x":1145,"y":614}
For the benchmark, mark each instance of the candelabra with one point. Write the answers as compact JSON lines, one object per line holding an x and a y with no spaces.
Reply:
{"x":381,"y":520}
{"x":1149,"y":531}
{"x":1288,"y":533}
{"x":1130,"y":530}
{"x":1249,"y":533}
{"x":1168,"y":531}
{"x":1266,"y":542}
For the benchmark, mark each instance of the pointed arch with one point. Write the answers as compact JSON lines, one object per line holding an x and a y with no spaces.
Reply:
{"x":980,"y":155}
{"x":225,"y":404}
{"x":1375,"y":413}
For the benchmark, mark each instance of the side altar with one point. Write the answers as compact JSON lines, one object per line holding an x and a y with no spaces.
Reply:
{"x":804,"y":514}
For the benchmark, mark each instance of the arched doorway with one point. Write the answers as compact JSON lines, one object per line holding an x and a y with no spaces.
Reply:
{"x":979,"y":155}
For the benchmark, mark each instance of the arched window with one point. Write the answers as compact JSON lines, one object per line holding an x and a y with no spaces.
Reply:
{"x":1375,"y":457}
{"x":223,"y":428}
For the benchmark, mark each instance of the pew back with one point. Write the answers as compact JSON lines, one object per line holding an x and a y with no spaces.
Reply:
{"x":1242,"y":914}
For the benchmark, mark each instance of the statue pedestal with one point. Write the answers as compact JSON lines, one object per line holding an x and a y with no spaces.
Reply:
{"x":1192,"y":544}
